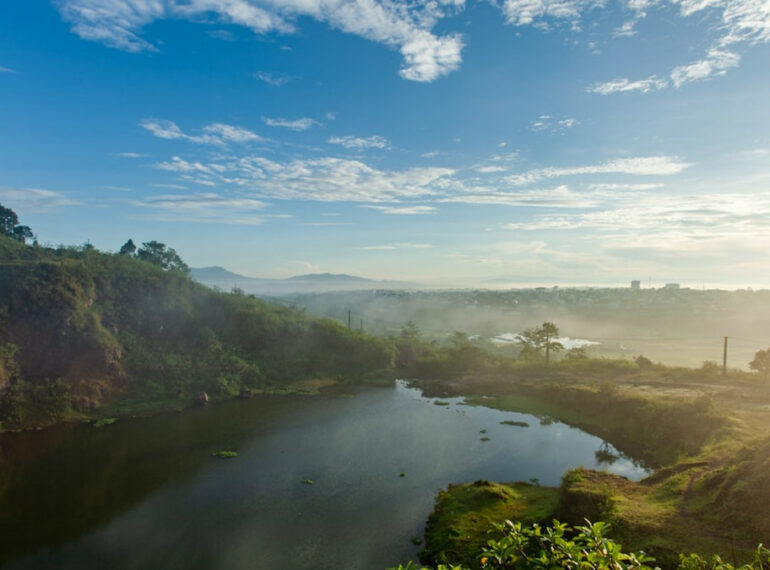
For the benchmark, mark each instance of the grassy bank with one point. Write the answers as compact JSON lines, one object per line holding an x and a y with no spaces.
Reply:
{"x":457,"y":529}
{"x":705,"y":435}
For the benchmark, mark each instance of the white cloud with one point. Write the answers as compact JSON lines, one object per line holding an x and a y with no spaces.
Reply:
{"x":392,"y":246}
{"x":130,"y":155}
{"x":404,"y":210}
{"x":715,"y":64}
{"x":624,"y":85}
{"x":324,"y":179}
{"x":695,"y":219}
{"x":360,"y":143}
{"x":402,"y":26}
{"x":215,"y":133}
{"x":490,"y":169}
{"x":224,"y":35}
{"x":7,"y":70}
{"x":637,"y":166}
{"x":206,"y":208}
{"x":170,"y":186}
{"x":559,"y":197}
{"x":431,"y":154}
{"x":626,"y":30}
{"x":547,"y":123}
{"x":301,"y":124}
{"x":274,"y":79}
{"x":34,"y":199}
{"x":537,"y":12}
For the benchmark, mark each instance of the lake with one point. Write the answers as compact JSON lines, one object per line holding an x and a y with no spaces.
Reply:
{"x":147,"y":493}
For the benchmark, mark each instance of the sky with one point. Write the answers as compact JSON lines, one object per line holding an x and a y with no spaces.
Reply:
{"x":448,"y":142}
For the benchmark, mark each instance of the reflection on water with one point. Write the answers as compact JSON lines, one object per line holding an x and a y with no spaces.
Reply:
{"x":146,"y":493}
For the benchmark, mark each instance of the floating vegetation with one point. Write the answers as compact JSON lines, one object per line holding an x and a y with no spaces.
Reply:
{"x":307,"y":481}
{"x":416,"y":540}
{"x":484,"y":439}
{"x":441,"y":403}
{"x":225,"y":454}
{"x":105,"y":422}
{"x":483,"y":431}
{"x":514,"y":423}
{"x":402,"y":474}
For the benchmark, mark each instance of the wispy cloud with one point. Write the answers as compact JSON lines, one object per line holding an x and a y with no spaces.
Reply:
{"x":624,"y":85}
{"x":559,"y":197}
{"x":129,"y":155}
{"x":301,"y":124}
{"x":549,"y":124}
{"x":716,"y":63}
{"x":274,"y":79}
{"x":7,"y":70}
{"x":406,"y":27}
{"x":696,"y":216}
{"x":34,"y":199}
{"x":206,"y":208}
{"x":224,"y":35}
{"x":392,"y":246}
{"x":325,"y":179}
{"x":404,"y":210}
{"x":170,"y":186}
{"x":637,"y":166}
{"x":360,"y":143}
{"x":215,"y":133}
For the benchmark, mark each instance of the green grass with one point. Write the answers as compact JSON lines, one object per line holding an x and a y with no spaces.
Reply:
{"x":514,"y":423}
{"x":225,"y":454}
{"x":457,"y":528}
{"x":104,"y":422}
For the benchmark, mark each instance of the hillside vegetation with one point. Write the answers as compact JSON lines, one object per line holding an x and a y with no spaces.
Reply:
{"x":86,"y":333}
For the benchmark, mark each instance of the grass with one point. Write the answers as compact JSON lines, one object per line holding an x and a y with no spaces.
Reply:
{"x":225,"y":454}
{"x":708,"y":440}
{"x":514,"y":423}
{"x":456,"y":530}
{"x":104,"y":422}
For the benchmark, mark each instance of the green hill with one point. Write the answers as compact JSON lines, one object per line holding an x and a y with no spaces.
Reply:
{"x":87,"y":333}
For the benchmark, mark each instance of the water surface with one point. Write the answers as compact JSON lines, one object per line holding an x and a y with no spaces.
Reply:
{"x":146,"y":493}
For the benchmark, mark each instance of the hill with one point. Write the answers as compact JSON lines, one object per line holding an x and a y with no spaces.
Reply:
{"x":88,"y":333}
{"x":310,"y":283}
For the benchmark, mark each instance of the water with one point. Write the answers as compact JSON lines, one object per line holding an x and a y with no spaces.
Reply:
{"x":146,"y":493}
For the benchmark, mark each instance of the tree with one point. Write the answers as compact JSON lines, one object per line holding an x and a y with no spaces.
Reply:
{"x":761,"y":362}
{"x":128,"y":248}
{"x":541,"y":338}
{"x":22,"y":234}
{"x":8,"y":221}
{"x":158,"y":254}
{"x":9,"y":226}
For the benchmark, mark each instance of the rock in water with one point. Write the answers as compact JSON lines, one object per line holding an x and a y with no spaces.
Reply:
{"x":202,"y":399}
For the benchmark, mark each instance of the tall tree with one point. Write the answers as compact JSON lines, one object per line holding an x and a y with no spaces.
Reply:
{"x":542,"y":338}
{"x":761,"y":362}
{"x":8,"y":221}
{"x":158,"y":254}
{"x":23,"y":233}
{"x":128,"y":248}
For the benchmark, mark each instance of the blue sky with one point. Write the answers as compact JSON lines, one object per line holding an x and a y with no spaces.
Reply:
{"x":454,"y":142}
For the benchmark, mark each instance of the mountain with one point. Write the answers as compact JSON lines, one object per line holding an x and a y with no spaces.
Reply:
{"x":309,"y":283}
{"x":331,"y":277}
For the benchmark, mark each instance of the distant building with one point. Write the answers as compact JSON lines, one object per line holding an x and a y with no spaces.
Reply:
{"x":672,"y":286}
{"x":636,"y":284}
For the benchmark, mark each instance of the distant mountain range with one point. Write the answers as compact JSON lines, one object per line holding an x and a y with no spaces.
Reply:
{"x":216,"y":276}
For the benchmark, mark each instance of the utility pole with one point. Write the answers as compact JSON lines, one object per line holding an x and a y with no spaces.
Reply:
{"x":348,"y":318}
{"x":724,"y":359}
